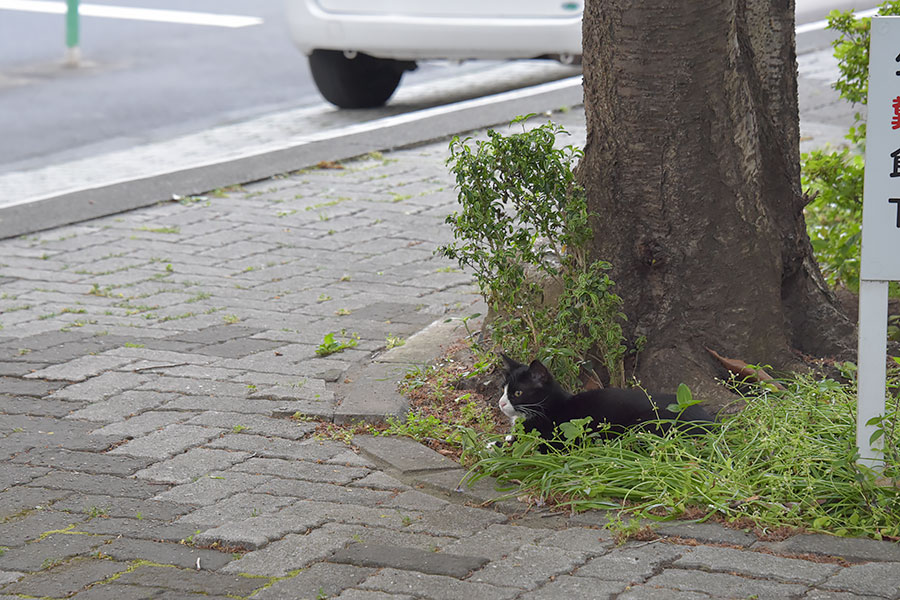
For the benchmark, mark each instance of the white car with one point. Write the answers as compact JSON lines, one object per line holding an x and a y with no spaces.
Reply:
{"x":359,"y":49}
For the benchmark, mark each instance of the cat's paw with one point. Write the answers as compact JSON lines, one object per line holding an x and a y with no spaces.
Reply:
{"x":495,"y":445}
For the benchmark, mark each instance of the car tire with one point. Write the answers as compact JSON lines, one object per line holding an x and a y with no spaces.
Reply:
{"x":360,"y":82}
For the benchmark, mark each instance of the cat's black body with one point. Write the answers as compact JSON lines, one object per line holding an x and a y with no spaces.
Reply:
{"x":532,"y":394}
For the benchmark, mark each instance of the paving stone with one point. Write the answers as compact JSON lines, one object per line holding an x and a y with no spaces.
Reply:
{"x":171,"y":440}
{"x":255,"y":532}
{"x":632,"y":564}
{"x":250,"y":424}
{"x":51,"y":550}
{"x":294,"y":551}
{"x":24,"y":405}
{"x":403,"y":454}
{"x":592,"y":542}
{"x":309,"y":388}
{"x":23,"y":387}
{"x":415,"y":500}
{"x":411,"y":559}
{"x":228,"y":404}
{"x":456,"y":520}
{"x":496,"y":541}
{"x":324,"y":492}
{"x":212,"y":488}
{"x":275,"y":447}
{"x":11,"y":474}
{"x":214,"y":334}
{"x":380,"y":481}
{"x":754,"y":564}
{"x":543,"y":564}
{"x":66,"y":435}
{"x":834,"y":595}
{"x":364,"y":534}
{"x":853,"y":549}
{"x":645,"y":592}
{"x":9,"y":577}
{"x":194,"y":387}
{"x":187,"y":467}
{"x":94,"y":483}
{"x":877,"y":579}
{"x":21,"y":424}
{"x":100,"y":387}
{"x":179,"y":555}
{"x":117,"y":526}
{"x":20,"y":500}
{"x":87,"y":462}
{"x":31,"y":526}
{"x":118,"y":506}
{"x":121,"y":406}
{"x":828,"y":595}
{"x":354,"y":594}
{"x":724,"y":585}
{"x":349,"y":458}
{"x":708,"y":532}
{"x":566,"y":587}
{"x":370,"y":395}
{"x":320,"y":580}
{"x":238,"y":348}
{"x":453,"y":484}
{"x":353,"y":514}
{"x":64,"y":580}
{"x":191,"y":580}
{"x":434,"y":587}
{"x":239,"y":507}
{"x":309,"y":471}
{"x":111,"y":591}
{"x":80,"y":369}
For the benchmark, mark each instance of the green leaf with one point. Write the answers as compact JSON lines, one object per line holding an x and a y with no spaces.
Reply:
{"x":684,"y":396}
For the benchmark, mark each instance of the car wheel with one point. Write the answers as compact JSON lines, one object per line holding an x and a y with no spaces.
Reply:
{"x":360,"y":82}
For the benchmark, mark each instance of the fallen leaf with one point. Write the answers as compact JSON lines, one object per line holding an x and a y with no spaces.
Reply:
{"x":329,"y":164}
{"x":739,"y":367}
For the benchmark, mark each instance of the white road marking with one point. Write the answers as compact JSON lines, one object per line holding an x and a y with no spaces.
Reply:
{"x":136,"y":14}
{"x":819,"y":25}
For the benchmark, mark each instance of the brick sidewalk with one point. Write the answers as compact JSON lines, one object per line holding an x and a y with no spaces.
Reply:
{"x":148,"y":361}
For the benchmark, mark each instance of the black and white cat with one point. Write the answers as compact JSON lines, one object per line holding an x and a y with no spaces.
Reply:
{"x":533,"y":395}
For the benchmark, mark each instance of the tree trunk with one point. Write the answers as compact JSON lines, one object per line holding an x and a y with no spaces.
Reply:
{"x":692,"y":168}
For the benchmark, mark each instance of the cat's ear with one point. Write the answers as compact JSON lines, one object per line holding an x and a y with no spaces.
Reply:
{"x":509,"y":363}
{"x":539,"y":373}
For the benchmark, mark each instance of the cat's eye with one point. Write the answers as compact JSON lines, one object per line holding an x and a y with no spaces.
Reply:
{"x":517,"y":393}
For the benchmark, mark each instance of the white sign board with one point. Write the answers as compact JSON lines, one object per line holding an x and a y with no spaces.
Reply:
{"x":880,"y":227}
{"x":881,"y":201}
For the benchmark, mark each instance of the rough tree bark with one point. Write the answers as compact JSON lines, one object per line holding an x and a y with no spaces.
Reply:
{"x":692,"y":166}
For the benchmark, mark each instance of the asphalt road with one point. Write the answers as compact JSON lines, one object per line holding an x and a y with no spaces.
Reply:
{"x":148,"y":81}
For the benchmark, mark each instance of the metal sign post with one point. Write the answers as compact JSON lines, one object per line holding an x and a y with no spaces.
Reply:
{"x":73,"y":50}
{"x":880,"y":231}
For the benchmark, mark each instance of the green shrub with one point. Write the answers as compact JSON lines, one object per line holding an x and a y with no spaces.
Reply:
{"x":523,"y":229}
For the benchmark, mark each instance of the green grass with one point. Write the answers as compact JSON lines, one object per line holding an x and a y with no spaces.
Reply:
{"x":787,"y":459}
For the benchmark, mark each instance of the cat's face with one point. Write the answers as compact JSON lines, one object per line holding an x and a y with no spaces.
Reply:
{"x":525,"y":389}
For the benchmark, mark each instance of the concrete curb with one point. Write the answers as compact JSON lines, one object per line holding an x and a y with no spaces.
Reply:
{"x":73,"y":206}
{"x":369,"y":393}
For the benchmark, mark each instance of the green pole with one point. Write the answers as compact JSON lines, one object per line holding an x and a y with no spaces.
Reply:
{"x":73,"y":52}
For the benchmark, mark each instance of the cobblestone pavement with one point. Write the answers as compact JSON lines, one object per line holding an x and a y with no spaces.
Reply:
{"x":149,"y":362}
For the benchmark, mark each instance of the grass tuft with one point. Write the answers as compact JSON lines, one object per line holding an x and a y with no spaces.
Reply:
{"x":787,"y":459}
